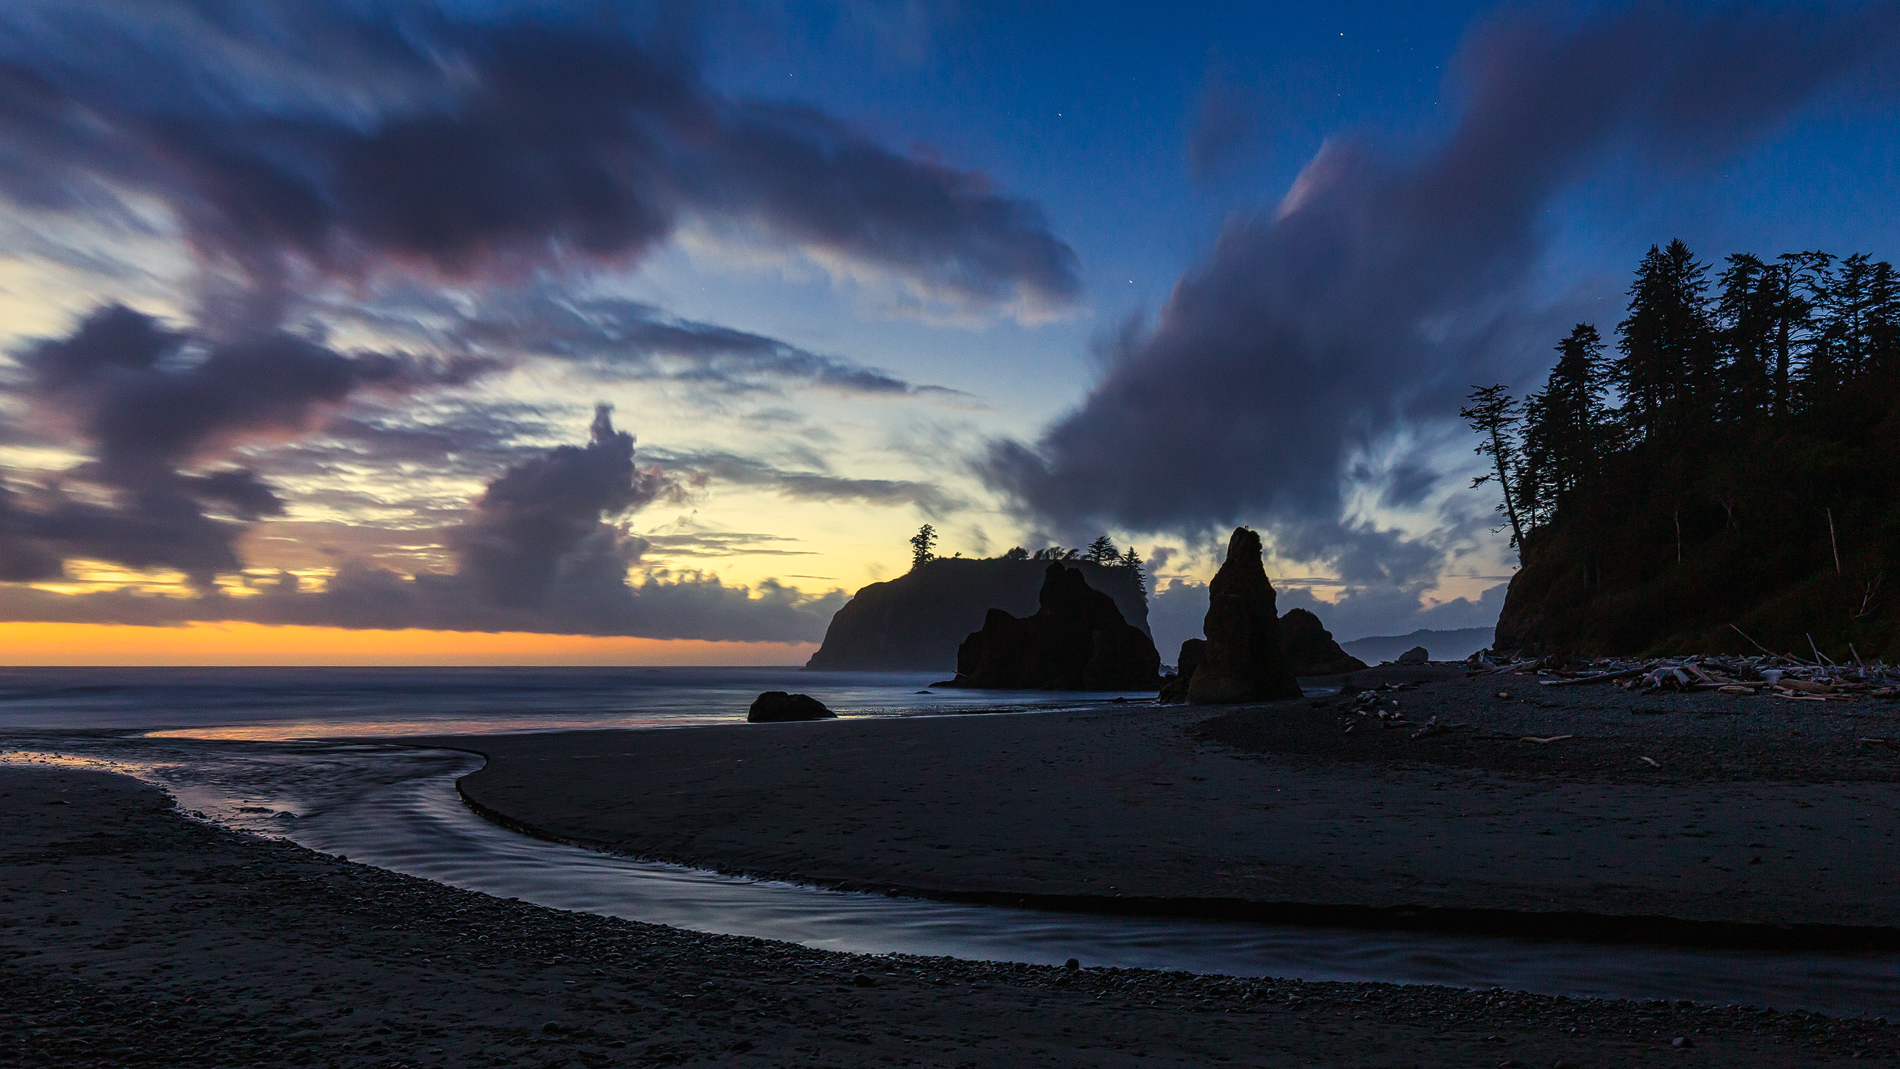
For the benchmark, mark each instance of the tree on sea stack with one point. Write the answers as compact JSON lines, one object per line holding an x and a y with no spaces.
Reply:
{"x":1132,"y":561}
{"x":921,"y":545}
{"x":1103,"y":551}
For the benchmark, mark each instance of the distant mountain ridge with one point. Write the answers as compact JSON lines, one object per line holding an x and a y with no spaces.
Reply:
{"x":1442,"y":645}
{"x":915,"y":623}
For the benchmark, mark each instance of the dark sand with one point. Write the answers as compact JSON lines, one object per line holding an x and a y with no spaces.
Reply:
{"x":1757,"y":811}
{"x":130,"y":935}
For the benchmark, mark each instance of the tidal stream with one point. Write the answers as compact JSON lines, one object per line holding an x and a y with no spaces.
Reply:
{"x":397,"y":808}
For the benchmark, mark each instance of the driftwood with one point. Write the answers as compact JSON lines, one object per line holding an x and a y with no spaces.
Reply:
{"x":1600,"y":677}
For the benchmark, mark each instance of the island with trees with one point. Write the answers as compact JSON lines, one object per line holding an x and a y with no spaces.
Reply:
{"x":917,"y":621}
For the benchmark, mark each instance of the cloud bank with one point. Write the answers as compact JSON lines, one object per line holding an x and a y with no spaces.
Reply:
{"x":541,"y":551}
{"x":347,"y":139}
{"x":1384,"y":284}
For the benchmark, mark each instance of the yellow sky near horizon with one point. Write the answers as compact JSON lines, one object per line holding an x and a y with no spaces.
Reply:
{"x":247,"y":644}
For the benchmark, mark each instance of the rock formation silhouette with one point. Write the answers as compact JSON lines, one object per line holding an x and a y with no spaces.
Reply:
{"x":1077,"y":640}
{"x":1243,"y":661}
{"x":915,"y":622}
{"x":1310,"y":648}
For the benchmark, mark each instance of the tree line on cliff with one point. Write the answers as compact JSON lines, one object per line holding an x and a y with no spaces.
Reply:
{"x":1726,"y":473}
{"x":1102,"y":551}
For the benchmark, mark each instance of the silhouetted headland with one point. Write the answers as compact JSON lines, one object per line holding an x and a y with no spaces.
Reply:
{"x":1724,"y":480}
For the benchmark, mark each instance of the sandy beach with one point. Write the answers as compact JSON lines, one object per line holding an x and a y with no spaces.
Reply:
{"x":134,"y":936}
{"x":1726,"y":813}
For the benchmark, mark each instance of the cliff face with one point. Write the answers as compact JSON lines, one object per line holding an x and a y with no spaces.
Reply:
{"x":916,"y":621}
{"x":1781,"y":526}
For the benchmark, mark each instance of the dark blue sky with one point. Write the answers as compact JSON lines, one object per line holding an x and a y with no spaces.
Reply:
{"x":1030,"y":272}
{"x":1090,"y":110}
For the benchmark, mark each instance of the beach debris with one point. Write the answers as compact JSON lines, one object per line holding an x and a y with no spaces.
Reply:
{"x":1652,"y":762}
{"x":1771,"y":675}
{"x":1433,"y":727}
{"x":1546,"y":741}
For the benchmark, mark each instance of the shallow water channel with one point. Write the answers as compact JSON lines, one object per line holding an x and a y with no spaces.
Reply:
{"x":397,"y":808}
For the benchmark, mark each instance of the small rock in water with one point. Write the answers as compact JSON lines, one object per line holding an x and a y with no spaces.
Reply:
{"x":1415,"y":655}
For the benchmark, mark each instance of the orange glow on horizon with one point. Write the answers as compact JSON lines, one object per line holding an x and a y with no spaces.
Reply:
{"x":60,"y":644}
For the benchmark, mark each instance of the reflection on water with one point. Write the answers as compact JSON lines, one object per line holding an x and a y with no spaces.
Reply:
{"x":396,"y":808}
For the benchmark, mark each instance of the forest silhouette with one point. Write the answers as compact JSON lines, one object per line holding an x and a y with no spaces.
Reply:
{"x":1723,"y":476}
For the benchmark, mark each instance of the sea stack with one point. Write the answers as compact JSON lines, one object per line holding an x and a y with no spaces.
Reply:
{"x":1310,"y":649}
{"x":1077,"y":640}
{"x":1243,"y":661}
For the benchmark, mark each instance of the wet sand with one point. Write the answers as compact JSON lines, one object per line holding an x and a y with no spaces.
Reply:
{"x":130,"y":935}
{"x":1748,"y":811}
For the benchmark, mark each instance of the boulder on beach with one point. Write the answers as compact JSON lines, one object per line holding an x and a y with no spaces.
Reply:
{"x":1415,"y":655}
{"x":1310,"y":648}
{"x":1076,"y":640}
{"x":778,"y":707}
{"x":1243,"y":661}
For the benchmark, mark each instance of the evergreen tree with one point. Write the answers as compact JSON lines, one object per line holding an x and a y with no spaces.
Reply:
{"x":1786,"y":296}
{"x":1883,"y":323}
{"x":1132,"y":561}
{"x":1667,"y":372}
{"x":1573,"y":410}
{"x":1016,"y":553}
{"x":1493,"y":414}
{"x":1749,"y":322}
{"x":922,"y":545}
{"x":1103,"y":551}
{"x":1534,"y":490}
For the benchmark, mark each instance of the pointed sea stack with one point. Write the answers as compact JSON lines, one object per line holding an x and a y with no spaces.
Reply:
{"x":1077,"y":640}
{"x":1243,"y":661}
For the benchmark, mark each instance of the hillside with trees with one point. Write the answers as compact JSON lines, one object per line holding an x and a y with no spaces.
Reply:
{"x":1723,"y":474}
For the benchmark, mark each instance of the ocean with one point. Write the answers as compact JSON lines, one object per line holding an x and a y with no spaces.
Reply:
{"x":301,"y":703}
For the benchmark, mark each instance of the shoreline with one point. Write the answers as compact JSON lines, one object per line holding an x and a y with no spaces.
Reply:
{"x":1575,"y":927}
{"x":1158,"y":811}
{"x":137,"y":936}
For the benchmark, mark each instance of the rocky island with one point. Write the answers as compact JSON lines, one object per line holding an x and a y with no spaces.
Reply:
{"x":1076,"y":640}
{"x":916,"y":622}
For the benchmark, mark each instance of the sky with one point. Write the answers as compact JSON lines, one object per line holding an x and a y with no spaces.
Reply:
{"x":506,"y":332}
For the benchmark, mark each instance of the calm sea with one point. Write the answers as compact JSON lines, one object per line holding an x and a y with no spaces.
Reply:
{"x":293,"y":703}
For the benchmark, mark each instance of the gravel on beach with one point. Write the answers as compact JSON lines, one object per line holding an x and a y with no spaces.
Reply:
{"x":131,"y":935}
